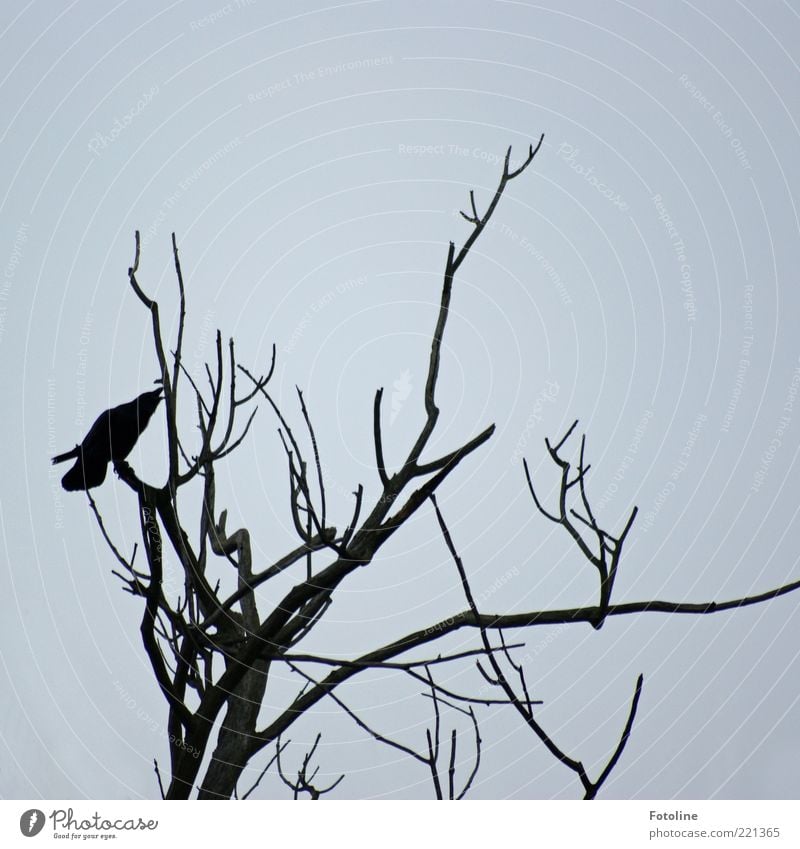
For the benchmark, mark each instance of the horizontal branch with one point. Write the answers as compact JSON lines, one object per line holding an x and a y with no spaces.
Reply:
{"x":518,"y":620}
{"x":466,"y":619}
{"x":405,"y":666}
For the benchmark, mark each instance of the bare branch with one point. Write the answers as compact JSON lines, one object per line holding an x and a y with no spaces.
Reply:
{"x":523,"y":708}
{"x":623,"y":740}
{"x":181,"y":322}
{"x":451,"y":768}
{"x":607,"y":545}
{"x":474,"y":218}
{"x":158,"y":776}
{"x":431,"y":761}
{"x":316,"y":455}
{"x":315,"y":544}
{"x":266,"y":768}
{"x":451,"y":267}
{"x":350,"y":530}
{"x":376,"y":428}
{"x":405,"y":666}
{"x":135,"y":585}
{"x":132,"y":275}
{"x":303,"y":783}
{"x":477,"y":764}
{"x":360,"y":722}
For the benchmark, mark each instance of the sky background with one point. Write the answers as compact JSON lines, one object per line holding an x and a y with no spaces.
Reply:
{"x":641,"y":276}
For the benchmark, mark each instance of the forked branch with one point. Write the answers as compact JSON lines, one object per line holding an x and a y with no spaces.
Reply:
{"x":607,"y":556}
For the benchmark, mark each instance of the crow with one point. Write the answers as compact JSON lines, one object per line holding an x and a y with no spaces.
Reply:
{"x":110,"y":439}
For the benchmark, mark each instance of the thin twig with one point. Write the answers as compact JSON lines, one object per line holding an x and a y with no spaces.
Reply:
{"x":266,"y":768}
{"x":158,"y":776}
{"x":623,"y":740}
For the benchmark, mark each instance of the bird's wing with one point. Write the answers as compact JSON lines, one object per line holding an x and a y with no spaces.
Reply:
{"x":85,"y":474}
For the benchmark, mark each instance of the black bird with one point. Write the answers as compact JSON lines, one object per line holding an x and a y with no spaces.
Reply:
{"x":110,"y":439}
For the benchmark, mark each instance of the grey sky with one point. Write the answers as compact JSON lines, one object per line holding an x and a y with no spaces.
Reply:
{"x":640,"y":276}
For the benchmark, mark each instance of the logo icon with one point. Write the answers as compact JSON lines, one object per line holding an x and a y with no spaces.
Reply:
{"x":31,"y":822}
{"x":402,"y":389}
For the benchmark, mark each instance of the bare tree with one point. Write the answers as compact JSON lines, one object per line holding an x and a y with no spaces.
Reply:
{"x":212,"y":648}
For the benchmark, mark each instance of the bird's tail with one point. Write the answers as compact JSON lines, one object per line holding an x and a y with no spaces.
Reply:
{"x":67,"y":455}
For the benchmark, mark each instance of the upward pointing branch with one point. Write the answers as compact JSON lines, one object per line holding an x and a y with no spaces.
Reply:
{"x":166,"y":380}
{"x":454,"y":260}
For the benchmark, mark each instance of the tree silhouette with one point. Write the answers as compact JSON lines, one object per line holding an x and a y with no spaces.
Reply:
{"x":212,"y":647}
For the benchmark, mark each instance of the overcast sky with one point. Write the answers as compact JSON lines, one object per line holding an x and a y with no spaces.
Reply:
{"x":640,"y":276}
